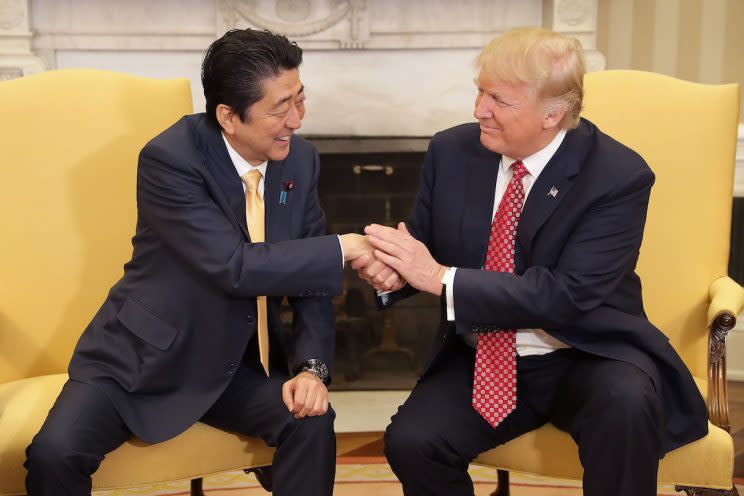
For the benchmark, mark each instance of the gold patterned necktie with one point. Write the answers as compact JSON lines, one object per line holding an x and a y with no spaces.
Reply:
{"x":254,"y":216}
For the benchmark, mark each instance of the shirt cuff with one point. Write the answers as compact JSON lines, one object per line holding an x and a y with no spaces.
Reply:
{"x":384,"y":297}
{"x":341,"y":245}
{"x":448,"y":280}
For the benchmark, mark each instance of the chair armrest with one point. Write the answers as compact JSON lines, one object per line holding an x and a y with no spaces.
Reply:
{"x":726,"y":302}
{"x":726,"y":296}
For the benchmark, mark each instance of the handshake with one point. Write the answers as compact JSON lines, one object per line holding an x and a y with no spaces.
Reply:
{"x":387,"y":258}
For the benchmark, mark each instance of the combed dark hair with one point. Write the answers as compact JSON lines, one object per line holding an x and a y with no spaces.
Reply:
{"x":236,"y":65}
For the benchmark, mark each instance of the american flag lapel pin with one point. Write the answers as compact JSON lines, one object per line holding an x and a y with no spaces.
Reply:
{"x":553,"y":192}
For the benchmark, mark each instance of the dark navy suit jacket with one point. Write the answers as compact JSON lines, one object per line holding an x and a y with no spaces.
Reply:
{"x":169,"y":336}
{"x":575,"y":258}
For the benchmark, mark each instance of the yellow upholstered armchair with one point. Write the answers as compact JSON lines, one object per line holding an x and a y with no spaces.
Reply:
{"x":687,"y":134}
{"x":70,"y":141}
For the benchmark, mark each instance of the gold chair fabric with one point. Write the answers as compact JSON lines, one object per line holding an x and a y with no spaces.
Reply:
{"x":70,"y":141}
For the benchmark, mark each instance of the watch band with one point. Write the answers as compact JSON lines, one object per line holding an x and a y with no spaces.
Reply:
{"x":316,"y":367}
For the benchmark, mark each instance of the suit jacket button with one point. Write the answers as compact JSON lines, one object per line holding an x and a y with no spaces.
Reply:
{"x":251,"y":319}
{"x":232,"y":368}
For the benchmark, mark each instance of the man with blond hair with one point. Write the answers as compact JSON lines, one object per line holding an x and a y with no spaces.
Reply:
{"x":528,"y":225}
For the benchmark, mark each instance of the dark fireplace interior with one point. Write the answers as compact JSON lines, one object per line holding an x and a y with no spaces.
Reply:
{"x":365,"y":180}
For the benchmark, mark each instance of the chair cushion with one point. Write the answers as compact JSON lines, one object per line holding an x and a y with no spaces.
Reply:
{"x":201,"y":450}
{"x":549,"y":452}
{"x":707,"y":462}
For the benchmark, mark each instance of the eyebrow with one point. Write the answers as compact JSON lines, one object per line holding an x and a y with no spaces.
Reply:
{"x":494,"y":94}
{"x":481,"y":88}
{"x":289,"y":97}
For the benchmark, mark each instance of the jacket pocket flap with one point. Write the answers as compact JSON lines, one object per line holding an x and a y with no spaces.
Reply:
{"x":146,"y":325}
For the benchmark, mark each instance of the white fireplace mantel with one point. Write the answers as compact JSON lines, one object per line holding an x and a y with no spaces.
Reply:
{"x":372,"y":67}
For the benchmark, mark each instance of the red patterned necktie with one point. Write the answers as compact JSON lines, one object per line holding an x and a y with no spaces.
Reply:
{"x":495,"y":378}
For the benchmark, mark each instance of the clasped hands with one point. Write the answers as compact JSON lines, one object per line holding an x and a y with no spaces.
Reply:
{"x":387,"y":258}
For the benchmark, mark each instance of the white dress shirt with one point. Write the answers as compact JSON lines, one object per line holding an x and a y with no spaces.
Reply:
{"x":529,"y":341}
{"x":243,"y":167}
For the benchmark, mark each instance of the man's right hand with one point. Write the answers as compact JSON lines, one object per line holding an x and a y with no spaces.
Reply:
{"x":355,"y":246}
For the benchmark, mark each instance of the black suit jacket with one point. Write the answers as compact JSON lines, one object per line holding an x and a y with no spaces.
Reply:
{"x":169,"y":336}
{"x":575,"y":258}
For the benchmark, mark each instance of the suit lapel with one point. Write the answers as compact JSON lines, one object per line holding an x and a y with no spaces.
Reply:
{"x":277,"y":214}
{"x":552,"y":185}
{"x":223,"y":171}
{"x":479,"y":194}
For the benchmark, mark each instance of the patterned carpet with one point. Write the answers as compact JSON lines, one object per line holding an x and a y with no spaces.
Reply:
{"x":373,"y":479}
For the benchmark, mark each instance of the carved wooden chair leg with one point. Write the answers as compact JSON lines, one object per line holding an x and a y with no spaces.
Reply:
{"x":196,"y":487}
{"x":701,"y":491}
{"x":503,"y":480}
{"x":263,"y":475}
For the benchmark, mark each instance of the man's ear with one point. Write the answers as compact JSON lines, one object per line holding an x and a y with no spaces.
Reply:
{"x":554,"y":115}
{"x":226,"y":118}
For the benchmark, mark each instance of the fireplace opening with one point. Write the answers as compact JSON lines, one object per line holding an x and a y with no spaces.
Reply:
{"x":366,"y":180}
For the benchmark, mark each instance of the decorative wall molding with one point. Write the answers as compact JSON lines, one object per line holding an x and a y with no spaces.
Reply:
{"x":10,"y":73}
{"x":16,"y":57}
{"x":295,"y":18}
{"x":381,"y":24}
{"x":574,"y":13}
{"x":577,"y":18}
{"x":365,"y":60}
{"x":13,"y":15}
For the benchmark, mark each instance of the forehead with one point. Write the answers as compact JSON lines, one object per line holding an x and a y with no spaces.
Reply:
{"x":286,"y":83}
{"x":494,"y":85}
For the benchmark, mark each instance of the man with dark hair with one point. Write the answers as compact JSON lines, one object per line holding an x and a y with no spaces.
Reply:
{"x":228,"y":225}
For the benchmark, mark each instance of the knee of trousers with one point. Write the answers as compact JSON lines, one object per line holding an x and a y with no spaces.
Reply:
{"x":408,"y":444}
{"x":632,"y":407}
{"x":52,"y":452}
{"x":319,"y":426}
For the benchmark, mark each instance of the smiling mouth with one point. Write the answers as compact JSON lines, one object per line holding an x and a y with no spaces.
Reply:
{"x":283,"y":139}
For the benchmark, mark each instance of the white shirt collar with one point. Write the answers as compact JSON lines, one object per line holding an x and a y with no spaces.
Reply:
{"x":536,"y":162}
{"x":241,"y":165}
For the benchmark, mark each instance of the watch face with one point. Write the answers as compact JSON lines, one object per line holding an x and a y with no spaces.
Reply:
{"x":317,"y":368}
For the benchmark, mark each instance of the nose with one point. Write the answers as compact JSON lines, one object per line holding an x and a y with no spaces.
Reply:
{"x":294,"y":118}
{"x":481,"y":110}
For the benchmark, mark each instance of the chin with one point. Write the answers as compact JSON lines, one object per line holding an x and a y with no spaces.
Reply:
{"x":490,"y":144}
{"x":279,"y":155}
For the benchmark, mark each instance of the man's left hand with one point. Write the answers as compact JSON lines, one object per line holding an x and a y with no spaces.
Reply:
{"x":305,"y":395}
{"x":408,"y":256}
{"x":377,"y":274}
